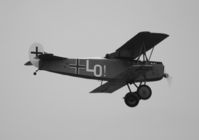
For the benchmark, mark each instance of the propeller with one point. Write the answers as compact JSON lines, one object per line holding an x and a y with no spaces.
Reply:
{"x":168,"y":77}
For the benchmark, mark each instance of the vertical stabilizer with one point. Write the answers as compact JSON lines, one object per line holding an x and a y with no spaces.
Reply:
{"x":35,"y":51}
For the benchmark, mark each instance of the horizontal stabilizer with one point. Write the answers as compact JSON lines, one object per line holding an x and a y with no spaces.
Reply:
{"x":28,"y":63}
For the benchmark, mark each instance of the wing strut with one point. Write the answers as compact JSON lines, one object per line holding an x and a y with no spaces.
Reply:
{"x":143,"y":53}
{"x":151,"y":53}
{"x":129,"y":87}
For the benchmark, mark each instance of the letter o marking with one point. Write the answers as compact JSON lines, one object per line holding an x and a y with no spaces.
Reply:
{"x":96,"y":72}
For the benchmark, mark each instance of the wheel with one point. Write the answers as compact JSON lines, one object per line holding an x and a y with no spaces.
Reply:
{"x":144,"y":92}
{"x":131,"y":99}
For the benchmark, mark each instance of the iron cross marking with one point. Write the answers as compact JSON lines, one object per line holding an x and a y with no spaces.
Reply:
{"x":36,"y":52}
{"x":77,"y":66}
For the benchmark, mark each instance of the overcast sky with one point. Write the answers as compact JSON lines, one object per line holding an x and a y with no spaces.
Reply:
{"x":51,"y":106}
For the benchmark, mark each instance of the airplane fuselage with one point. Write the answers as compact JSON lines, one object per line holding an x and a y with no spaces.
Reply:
{"x":104,"y":69}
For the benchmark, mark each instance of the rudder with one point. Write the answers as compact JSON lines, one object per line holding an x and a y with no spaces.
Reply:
{"x":35,"y":50}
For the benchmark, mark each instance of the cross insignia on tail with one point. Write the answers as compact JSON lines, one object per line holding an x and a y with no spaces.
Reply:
{"x":37,"y":53}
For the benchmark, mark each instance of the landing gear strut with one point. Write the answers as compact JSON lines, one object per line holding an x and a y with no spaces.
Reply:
{"x":132,"y":98}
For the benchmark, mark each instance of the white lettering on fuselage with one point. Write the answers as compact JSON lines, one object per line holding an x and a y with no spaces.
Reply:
{"x":97,"y":70}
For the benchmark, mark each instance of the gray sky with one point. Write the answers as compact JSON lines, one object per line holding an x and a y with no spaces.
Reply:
{"x":51,"y":106}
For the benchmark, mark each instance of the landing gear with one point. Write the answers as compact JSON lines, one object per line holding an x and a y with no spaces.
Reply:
{"x":144,"y":92}
{"x":132,"y":98}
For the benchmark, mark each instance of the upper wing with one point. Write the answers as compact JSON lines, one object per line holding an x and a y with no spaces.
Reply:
{"x":133,"y":48}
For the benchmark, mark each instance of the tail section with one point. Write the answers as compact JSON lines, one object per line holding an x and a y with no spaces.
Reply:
{"x":34,"y":52}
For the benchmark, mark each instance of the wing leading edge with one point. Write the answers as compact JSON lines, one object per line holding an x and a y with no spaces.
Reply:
{"x":134,"y":47}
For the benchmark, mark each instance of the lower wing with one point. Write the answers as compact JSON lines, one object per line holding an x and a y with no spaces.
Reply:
{"x":119,"y":81}
{"x":109,"y":87}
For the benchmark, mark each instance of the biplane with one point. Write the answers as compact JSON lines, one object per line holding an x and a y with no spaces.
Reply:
{"x":129,"y":64}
